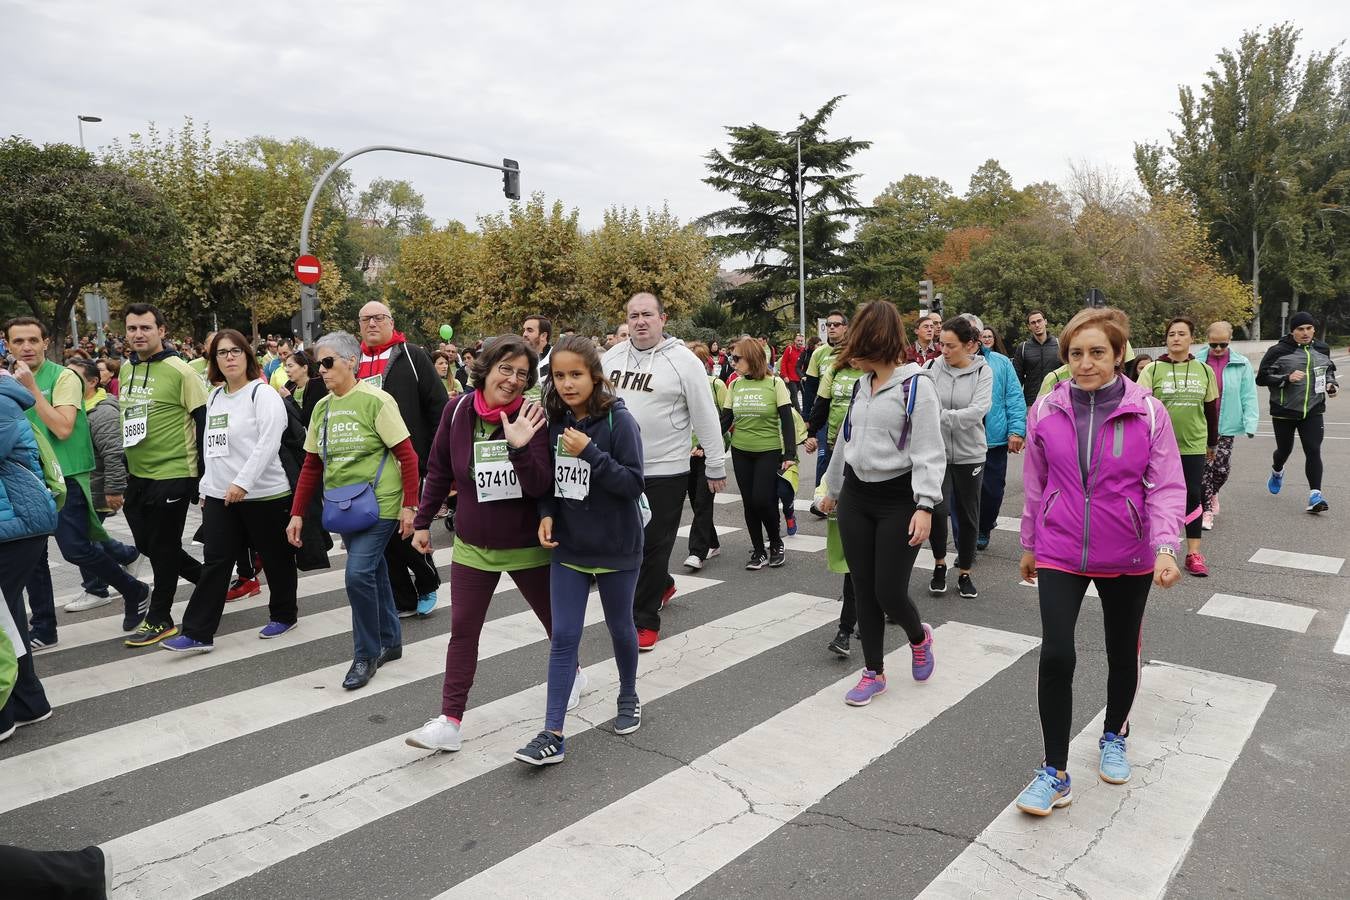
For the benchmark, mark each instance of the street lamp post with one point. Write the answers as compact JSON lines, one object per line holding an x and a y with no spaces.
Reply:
{"x":309,"y":295}
{"x":801,"y":244}
{"x":80,"y":119}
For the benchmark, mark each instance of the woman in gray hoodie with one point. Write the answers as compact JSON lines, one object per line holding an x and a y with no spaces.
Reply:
{"x":965,"y":387}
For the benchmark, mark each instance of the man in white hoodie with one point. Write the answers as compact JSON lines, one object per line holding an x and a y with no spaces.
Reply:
{"x":665,"y":387}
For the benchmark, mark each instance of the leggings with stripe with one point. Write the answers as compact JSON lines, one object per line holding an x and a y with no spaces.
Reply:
{"x":1217,"y":470}
{"x":1061,"y":594}
{"x":1193,"y":468}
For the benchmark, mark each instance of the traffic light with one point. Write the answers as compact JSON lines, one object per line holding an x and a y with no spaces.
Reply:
{"x":937,"y":304}
{"x":511,"y":179}
{"x":1096,"y":299}
{"x":925,"y":294}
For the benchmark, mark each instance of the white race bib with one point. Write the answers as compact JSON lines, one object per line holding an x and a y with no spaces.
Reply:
{"x":1320,"y":380}
{"x":217,"y":441}
{"x":375,"y":381}
{"x":493,"y":474}
{"x":571,"y":476}
{"x":135,"y":420}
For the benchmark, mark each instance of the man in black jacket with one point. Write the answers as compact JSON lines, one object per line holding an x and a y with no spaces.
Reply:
{"x":1033,"y":359}
{"x":406,"y":373}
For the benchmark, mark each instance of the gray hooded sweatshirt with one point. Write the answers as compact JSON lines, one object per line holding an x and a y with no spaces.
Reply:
{"x":875,"y":423}
{"x":966,"y":395}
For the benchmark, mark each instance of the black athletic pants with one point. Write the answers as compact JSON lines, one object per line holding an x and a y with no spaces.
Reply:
{"x":848,"y":612}
{"x":411,"y":574}
{"x":874,"y":526}
{"x":53,"y":874}
{"x":757,"y":477}
{"x":702,"y":533}
{"x":1193,"y":469}
{"x":1309,"y":431}
{"x":260,"y":524}
{"x":961,"y":496}
{"x":665,"y":496}
{"x":1061,"y":593}
{"x":157,"y":512}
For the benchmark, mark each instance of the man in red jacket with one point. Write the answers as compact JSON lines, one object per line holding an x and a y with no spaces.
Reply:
{"x":787,"y":368}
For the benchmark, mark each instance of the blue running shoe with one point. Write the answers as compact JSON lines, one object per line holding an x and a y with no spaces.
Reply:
{"x":1316,"y":504}
{"x":922,"y":663}
{"x":1114,"y":768}
{"x":868,"y":687}
{"x":1275,"y":481}
{"x":545,"y":750}
{"x":184,"y":644}
{"x":425,"y":604}
{"x":1046,"y":792}
{"x":275,"y":629}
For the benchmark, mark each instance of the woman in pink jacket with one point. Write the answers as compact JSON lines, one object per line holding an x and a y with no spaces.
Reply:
{"x":1104,"y":500}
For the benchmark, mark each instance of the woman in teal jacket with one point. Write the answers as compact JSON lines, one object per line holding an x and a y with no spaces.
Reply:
{"x":1005,"y":431}
{"x":1238,"y":411}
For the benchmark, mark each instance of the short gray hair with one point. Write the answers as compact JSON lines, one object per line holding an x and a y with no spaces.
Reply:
{"x":341,"y":343}
{"x":974,"y":320}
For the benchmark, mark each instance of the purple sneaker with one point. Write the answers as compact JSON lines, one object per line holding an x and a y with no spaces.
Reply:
{"x":184,"y":644}
{"x":868,"y":687}
{"x":923,"y":655}
{"x":275,"y":629}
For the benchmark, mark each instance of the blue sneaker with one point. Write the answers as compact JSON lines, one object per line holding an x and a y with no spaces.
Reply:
{"x":922,"y":663}
{"x":1316,"y":504}
{"x":184,"y":644}
{"x":275,"y":629}
{"x":1114,"y":768}
{"x":1275,"y":481}
{"x":425,"y":604}
{"x":791,"y":524}
{"x":1046,"y":792}
{"x":545,"y":750}
{"x":867,"y":687}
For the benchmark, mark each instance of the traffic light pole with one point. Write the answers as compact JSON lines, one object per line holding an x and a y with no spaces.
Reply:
{"x":309,"y":296}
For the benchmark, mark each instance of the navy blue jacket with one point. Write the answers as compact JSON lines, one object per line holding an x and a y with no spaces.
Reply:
{"x":605,"y":529}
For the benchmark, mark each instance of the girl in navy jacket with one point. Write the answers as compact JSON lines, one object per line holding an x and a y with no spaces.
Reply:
{"x":594,"y":525}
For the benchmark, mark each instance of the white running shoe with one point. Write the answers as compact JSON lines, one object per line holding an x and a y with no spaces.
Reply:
{"x":438,"y":734}
{"x":579,"y":684}
{"x":715,"y":551}
{"x":85,"y":601}
{"x":1207,"y":521}
{"x":693,"y":562}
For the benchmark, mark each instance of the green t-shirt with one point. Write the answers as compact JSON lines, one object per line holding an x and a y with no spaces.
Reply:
{"x":1184,"y":388}
{"x":589,"y":570}
{"x":837,"y":384}
{"x":63,"y":387}
{"x":754,"y":409}
{"x":1053,"y":378}
{"x":485,"y":559}
{"x":821,"y":358}
{"x":164,"y":393}
{"x":199,"y":365}
{"x":719,"y":392}
{"x":361,"y":426}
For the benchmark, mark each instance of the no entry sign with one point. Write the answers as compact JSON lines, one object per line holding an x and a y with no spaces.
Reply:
{"x":308,"y":269}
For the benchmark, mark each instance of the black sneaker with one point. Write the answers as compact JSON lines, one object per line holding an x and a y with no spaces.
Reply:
{"x":966,"y":587}
{"x":777,"y":556}
{"x":756,"y":561}
{"x":545,"y":749}
{"x":839,"y":646}
{"x":939,"y":583}
{"x":815,"y":511}
{"x":629,"y":718}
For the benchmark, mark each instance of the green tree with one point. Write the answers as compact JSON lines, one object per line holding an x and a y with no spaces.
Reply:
{"x":435,"y":279}
{"x":759,"y":172}
{"x":631,"y":253}
{"x":527,"y":262}
{"x":991,"y":200}
{"x":906,"y":223}
{"x":67,"y":222}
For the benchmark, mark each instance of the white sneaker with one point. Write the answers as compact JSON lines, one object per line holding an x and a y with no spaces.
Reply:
{"x":693,"y":562}
{"x":1207,"y":521}
{"x":438,"y":734}
{"x":579,"y":684}
{"x":715,"y":551}
{"x":85,"y":601}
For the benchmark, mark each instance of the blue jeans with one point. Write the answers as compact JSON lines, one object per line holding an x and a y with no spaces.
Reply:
{"x":374,"y":617}
{"x":991,"y":488}
{"x":570,"y":590}
{"x":123,"y":554}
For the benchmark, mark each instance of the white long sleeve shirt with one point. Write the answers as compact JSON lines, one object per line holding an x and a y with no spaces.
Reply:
{"x":253,"y":420}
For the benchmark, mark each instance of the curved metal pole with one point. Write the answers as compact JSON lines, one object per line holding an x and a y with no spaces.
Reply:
{"x":327,"y":173}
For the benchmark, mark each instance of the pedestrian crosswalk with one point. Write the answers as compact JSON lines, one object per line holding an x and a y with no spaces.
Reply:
{"x":292,"y":773}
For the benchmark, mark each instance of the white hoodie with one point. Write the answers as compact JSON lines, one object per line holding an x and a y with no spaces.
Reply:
{"x":666,"y":390}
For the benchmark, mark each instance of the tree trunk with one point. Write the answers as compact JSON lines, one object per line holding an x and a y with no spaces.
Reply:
{"x":253,"y":313}
{"x":1256,"y":285}
{"x":1293,"y":302}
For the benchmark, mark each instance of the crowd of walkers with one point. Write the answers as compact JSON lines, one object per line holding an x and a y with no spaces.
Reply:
{"x":568,"y":463}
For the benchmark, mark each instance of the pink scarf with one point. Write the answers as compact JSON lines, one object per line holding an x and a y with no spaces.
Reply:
{"x":494,"y":414}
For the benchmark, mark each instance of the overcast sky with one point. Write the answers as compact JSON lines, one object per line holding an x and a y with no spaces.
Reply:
{"x":617,"y":103}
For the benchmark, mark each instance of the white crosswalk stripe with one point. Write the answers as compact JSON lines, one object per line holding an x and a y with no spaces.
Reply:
{"x":1259,"y":612}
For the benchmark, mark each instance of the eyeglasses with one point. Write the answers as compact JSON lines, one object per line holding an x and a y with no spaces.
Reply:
{"x":835,"y":324}
{"x":229,"y":352}
{"x":378,"y":317}
{"x":1218,"y":345}
{"x":328,"y":362}
{"x":509,"y":373}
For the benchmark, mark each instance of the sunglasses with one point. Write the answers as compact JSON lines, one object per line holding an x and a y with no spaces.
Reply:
{"x":1218,"y":345}
{"x":835,"y":324}
{"x":734,"y":358}
{"x":328,"y":362}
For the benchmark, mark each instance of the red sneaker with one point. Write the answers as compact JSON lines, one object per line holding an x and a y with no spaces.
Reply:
{"x":243,"y":587}
{"x":666,"y":597}
{"x":647,"y":639}
{"x":1195,"y":564}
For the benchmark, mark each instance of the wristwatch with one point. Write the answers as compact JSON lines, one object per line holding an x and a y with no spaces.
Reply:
{"x":925,"y":507}
{"x":413,"y":508}
{"x":1167,"y":551}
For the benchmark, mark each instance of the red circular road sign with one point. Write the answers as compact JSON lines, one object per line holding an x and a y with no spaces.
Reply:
{"x":308,"y":269}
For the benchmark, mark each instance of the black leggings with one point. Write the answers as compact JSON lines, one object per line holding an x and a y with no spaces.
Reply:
{"x":1193,"y":469}
{"x":874,"y":526}
{"x":757,"y":477}
{"x":1309,"y":433}
{"x":1123,"y":598}
{"x":961,"y":496}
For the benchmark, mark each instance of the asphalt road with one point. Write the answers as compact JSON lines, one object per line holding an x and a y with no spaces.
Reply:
{"x":249,"y":773}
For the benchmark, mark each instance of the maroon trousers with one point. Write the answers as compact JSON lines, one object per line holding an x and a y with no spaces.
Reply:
{"x":470,"y":594}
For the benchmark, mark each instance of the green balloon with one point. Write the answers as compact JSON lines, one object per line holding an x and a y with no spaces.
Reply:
{"x":447,"y":332}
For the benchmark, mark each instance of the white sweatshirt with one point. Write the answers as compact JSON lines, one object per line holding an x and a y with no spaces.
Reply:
{"x":666,"y":390}
{"x":257,"y":419}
